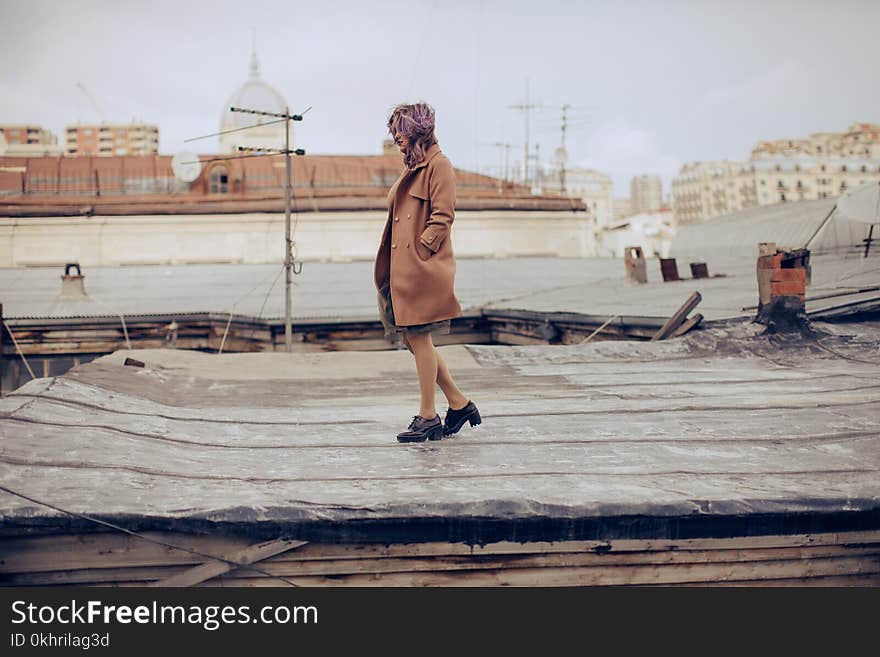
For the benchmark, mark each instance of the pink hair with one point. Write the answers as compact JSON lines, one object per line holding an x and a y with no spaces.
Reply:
{"x":416,"y":123}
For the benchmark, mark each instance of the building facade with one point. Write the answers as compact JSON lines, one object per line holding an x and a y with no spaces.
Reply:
{"x":652,"y":231}
{"x":824,"y":165}
{"x":593,"y":187}
{"x":26,"y":140}
{"x":622,"y":209}
{"x":132,"y":210}
{"x":105,"y":139}
{"x":646,"y":194}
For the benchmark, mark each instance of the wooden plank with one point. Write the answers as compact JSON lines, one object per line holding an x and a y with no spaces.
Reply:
{"x":249,"y":555}
{"x":149,"y":575}
{"x":871,"y":579}
{"x":678,"y":317}
{"x":593,"y":576}
{"x":292,"y":568}
{"x":506,"y":337}
{"x":397,"y":571}
{"x":68,"y":551}
{"x":690,"y":323}
{"x":76,"y":551}
{"x":47,"y":553}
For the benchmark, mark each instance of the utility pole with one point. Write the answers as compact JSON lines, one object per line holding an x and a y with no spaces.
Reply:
{"x":288,"y":247}
{"x":284,"y":118}
{"x":287,"y":117}
{"x":503,"y":156}
{"x":564,"y":153}
{"x":526,"y":107}
{"x":538,"y":162}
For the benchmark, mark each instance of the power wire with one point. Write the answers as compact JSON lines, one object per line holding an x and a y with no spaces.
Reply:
{"x":142,"y":536}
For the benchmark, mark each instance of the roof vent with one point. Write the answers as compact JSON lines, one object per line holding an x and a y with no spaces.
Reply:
{"x":72,"y":286}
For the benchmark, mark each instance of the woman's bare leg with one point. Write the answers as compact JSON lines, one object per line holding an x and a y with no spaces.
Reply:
{"x":426,"y":366}
{"x":454,"y":397}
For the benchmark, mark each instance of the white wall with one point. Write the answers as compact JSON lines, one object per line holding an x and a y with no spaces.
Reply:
{"x":259,"y":238}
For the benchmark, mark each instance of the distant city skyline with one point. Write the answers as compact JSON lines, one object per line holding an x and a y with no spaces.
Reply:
{"x":651,"y":85}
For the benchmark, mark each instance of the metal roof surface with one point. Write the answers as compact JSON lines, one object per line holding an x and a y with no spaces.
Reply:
{"x":788,"y":224}
{"x":338,"y":291}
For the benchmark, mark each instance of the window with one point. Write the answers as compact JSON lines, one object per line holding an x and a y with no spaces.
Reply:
{"x":843,"y":169}
{"x":823,"y":167}
{"x":782,"y":198}
{"x":219,"y":179}
{"x":864,"y":169}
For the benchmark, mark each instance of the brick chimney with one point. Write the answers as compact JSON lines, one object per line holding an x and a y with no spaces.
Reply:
{"x":783,"y":276}
{"x":72,"y":285}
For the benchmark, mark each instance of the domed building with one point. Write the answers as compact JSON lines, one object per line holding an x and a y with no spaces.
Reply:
{"x":253,"y":94}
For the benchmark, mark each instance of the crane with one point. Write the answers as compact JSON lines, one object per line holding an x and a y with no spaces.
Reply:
{"x":92,"y":101}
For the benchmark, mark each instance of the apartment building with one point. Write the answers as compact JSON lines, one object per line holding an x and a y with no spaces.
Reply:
{"x":823,"y":165}
{"x":646,"y":194}
{"x":27,"y":140}
{"x":111,"y":139}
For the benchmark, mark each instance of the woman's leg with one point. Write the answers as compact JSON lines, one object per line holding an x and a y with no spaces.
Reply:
{"x":454,"y":396}
{"x":426,"y":366}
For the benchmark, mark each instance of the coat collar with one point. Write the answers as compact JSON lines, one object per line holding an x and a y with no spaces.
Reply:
{"x":429,"y":155}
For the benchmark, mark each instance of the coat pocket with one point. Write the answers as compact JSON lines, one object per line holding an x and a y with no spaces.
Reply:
{"x":422,"y":251}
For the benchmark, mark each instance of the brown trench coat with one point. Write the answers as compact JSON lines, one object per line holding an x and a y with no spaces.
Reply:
{"x":415,"y":252}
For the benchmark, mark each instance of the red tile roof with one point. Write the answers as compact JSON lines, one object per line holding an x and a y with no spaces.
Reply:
{"x":41,"y":186}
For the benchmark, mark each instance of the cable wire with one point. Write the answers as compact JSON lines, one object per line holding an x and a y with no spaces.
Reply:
{"x":124,"y":530}
{"x":18,"y":349}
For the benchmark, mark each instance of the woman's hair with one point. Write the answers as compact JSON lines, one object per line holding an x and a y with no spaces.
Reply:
{"x":416,"y":123}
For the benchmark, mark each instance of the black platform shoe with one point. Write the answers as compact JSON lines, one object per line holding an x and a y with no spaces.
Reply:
{"x":422,"y":429}
{"x":455,"y":419}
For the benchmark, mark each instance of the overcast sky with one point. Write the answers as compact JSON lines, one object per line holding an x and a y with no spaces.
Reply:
{"x":652,"y":84}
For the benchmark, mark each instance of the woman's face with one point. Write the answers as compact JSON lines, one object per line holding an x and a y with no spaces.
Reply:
{"x":401,"y":141}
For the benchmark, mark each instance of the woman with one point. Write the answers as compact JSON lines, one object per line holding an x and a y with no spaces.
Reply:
{"x":415,"y":268}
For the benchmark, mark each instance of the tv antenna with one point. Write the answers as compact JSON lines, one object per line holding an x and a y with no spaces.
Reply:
{"x":281,"y":117}
{"x":525,"y":108}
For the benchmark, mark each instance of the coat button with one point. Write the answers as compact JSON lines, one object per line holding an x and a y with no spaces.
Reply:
{"x":408,"y":216}
{"x":396,"y":219}
{"x":393,"y":246}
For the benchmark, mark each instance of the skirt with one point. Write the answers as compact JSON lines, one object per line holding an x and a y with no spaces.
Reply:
{"x":386,"y":314}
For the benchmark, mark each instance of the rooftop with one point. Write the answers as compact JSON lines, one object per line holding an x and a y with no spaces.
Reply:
{"x":594,"y":286}
{"x":724,"y":431}
{"x":145,"y":184}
